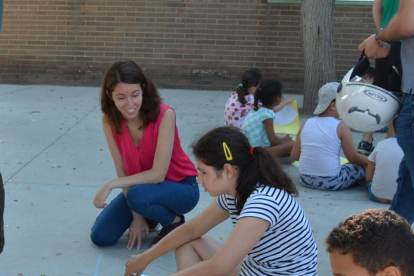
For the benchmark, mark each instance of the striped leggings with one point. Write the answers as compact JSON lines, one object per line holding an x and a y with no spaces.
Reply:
{"x":347,"y":176}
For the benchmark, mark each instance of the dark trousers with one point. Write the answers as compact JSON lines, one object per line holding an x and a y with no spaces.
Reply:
{"x":385,"y":76}
{"x":1,"y":214}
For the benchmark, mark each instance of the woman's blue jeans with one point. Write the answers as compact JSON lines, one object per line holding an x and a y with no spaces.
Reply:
{"x":161,"y":202}
{"x":403,"y":201}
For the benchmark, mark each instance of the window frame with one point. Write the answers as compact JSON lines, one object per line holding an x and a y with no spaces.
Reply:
{"x":338,"y":2}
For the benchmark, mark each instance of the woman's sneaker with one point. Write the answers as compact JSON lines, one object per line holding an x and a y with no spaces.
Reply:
{"x":152,"y":225}
{"x":365,"y":148}
{"x":166,"y":230}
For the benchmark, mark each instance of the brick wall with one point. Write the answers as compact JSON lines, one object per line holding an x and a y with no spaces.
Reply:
{"x":181,"y":44}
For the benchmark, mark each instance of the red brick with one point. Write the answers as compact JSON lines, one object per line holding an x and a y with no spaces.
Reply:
{"x":50,"y":43}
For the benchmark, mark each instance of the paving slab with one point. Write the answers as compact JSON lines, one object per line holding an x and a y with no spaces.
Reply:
{"x":54,"y":158}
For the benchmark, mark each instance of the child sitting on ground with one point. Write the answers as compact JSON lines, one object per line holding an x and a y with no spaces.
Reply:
{"x":258,"y":124}
{"x":241,"y":101}
{"x":374,"y":242}
{"x":271,"y":234}
{"x":382,"y":169}
{"x":319,"y":142}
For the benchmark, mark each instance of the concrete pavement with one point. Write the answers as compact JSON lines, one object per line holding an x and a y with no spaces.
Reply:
{"x":54,"y":157}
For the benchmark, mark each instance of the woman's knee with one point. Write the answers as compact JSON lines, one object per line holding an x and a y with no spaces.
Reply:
{"x":101,"y":239}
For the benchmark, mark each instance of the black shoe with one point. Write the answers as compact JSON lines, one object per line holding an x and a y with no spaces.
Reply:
{"x":365,"y":148}
{"x":166,"y":230}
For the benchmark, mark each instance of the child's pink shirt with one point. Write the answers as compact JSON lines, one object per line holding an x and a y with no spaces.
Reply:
{"x":235,"y":112}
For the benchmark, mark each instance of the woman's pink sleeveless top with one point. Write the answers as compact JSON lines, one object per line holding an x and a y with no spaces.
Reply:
{"x":141,"y":158}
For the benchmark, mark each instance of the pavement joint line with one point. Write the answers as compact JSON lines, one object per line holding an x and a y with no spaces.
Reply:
{"x":54,"y":142}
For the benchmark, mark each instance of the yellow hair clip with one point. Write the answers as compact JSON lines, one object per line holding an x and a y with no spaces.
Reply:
{"x":227,"y":152}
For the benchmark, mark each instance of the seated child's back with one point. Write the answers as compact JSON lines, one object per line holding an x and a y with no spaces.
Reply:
{"x":258,"y":124}
{"x":241,"y":101}
{"x":319,"y":139}
{"x":319,"y":142}
{"x":382,"y":170}
{"x":254,"y":129}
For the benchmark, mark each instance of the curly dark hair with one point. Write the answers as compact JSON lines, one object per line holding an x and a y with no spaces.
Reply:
{"x":267,"y":92}
{"x":262,"y":167}
{"x":376,"y":239}
{"x":128,"y":72}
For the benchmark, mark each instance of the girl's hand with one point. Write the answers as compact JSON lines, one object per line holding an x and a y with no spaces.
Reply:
{"x":137,"y":227}
{"x":286,"y":138}
{"x":102,"y":194}
{"x":288,"y":101}
{"x":136,"y":264}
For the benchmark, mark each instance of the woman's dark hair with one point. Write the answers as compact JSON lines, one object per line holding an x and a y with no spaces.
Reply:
{"x":266,"y":92}
{"x":251,"y":77}
{"x":128,"y":72}
{"x":262,"y":167}
{"x":376,"y":239}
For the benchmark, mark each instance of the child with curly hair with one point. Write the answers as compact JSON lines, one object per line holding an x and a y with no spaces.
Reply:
{"x":373,"y":243}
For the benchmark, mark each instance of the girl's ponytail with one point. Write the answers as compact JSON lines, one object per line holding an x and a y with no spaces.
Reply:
{"x":250,"y":78}
{"x":257,"y":99}
{"x":264,"y":170}
{"x":241,"y":93}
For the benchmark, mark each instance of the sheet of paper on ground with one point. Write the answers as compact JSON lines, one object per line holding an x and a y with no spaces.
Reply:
{"x":343,"y":160}
{"x":287,"y":119}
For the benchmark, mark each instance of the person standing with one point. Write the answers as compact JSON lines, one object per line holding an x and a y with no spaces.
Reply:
{"x":1,"y":180}
{"x":387,"y":70}
{"x":1,"y":215}
{"x":400,"y":27}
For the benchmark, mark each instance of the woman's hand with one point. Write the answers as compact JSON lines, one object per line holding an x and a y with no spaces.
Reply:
{"x":137,"y":227}
{"x":136,"y":264}
{"x":102,"y":194}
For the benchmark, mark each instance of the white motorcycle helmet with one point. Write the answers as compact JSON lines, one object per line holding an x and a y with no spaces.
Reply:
{"x":365,"y":107}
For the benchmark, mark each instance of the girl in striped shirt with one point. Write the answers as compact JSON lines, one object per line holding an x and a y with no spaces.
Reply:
{"x":271,"y":234}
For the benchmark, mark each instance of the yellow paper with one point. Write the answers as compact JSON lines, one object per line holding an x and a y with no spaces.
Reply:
{"x":343,"y":160}
{"x":291,"y":128}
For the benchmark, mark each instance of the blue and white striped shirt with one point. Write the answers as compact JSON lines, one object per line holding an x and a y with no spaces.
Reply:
{"x":287,"y":247}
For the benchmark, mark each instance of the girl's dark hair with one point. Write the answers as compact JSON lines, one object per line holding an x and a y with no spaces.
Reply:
{"x":128,"y":72}
{"x":266,"y":92}
{"x":262,"y":167}
{"x":251,"y":77}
